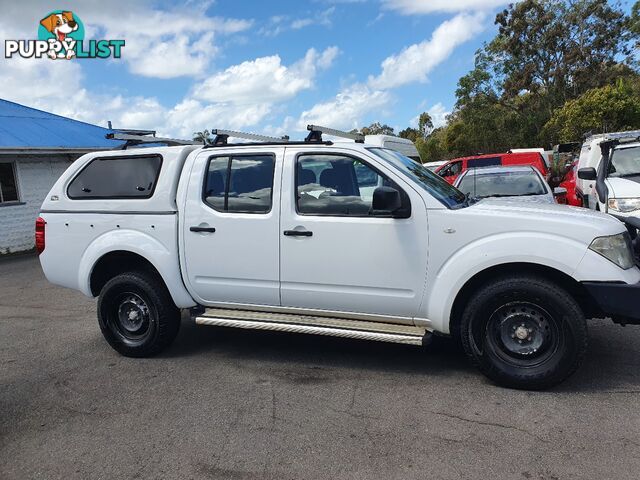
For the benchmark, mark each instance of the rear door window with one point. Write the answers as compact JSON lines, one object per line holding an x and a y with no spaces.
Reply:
{"x":240,"y":184}
{"x":133,"y":176}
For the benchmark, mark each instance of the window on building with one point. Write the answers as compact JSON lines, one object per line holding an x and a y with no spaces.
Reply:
{"x":117,"y":177}
{"x":8,"y":183}
{"x":240,"y":184}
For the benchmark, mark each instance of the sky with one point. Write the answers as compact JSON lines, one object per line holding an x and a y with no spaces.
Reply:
{"x":260,"y":66}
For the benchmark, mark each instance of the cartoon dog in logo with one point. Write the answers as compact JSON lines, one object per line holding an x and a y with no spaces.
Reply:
{"x":60,"y":25}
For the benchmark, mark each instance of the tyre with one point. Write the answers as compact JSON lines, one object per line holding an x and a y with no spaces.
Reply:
{"x":524,"y":332}
{"x":137,"y":315}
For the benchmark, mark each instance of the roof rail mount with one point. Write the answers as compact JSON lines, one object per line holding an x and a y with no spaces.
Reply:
{"x":624,"y":137}
{"x":316,"y":131}
{"x":222,"y":137}
{"x":132,"y":140}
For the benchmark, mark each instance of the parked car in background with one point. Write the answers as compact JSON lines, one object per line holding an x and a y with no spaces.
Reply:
{"x":523,"y":183}
{"x":433,"y":166}
{"x":452,"y":169}
{"x":622,"y":179}
{"x":546,"y":154}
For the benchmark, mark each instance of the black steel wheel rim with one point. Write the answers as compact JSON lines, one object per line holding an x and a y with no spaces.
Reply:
{"x":132,"y":319}
{"x":523,"y":334}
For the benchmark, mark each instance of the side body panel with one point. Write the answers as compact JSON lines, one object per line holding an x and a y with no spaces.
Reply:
{"x":76,"y":241}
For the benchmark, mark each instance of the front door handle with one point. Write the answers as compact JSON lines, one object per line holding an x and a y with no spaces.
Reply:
{"x":298,"y":233}
{"x":202,"y":229}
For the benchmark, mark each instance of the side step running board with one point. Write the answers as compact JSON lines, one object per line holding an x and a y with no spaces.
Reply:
{"x":337,"y":327}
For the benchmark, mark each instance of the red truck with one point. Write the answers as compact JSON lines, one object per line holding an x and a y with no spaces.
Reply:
{"x":453,"y":168}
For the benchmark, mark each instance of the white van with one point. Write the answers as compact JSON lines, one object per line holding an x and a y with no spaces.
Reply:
{"x":401,"y":145}
{"x":623,"y":178}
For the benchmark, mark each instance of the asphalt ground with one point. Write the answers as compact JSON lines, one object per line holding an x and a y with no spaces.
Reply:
{"x":237,"y":404}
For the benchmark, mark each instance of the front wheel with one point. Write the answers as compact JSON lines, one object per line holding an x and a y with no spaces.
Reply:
{"x":137,"y":315}
{"x":524,"y":332}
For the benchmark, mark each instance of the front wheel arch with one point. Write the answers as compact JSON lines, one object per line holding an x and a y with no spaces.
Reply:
{"x":564,"y":281}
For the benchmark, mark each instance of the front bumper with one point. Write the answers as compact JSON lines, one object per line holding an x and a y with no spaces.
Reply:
{"x":620,"y":301}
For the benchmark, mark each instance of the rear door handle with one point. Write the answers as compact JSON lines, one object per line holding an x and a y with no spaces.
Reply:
{"x":298,"y":233}
{"x":202,"y":229}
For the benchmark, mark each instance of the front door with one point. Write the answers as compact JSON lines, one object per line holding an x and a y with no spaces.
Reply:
{"x":230,"y":228}
{"x":335,"y":254}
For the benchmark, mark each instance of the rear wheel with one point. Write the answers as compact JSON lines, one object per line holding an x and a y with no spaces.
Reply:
{"x":524,"y":332}
{"x":136,"y":314}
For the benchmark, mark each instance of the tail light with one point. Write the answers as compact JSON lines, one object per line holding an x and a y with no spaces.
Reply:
{"x":40,"y":223}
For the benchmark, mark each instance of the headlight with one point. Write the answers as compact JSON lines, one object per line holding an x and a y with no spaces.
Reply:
{"x":624,"y":204}
{"x":616,"y":248}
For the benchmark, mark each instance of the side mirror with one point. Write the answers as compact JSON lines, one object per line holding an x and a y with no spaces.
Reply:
{"x":386,"y":201}
{"x":587,"y":174}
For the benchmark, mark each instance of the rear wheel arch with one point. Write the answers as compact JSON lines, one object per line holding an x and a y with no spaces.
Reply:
{"x":115,"y":263}
{"x":564,"y":281}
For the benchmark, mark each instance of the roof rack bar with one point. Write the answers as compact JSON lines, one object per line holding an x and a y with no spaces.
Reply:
{"x":222,"y":136}
{"x":316,"y":131}
{"x":133,"y":131}
{"x":631,"y":135}
{"x":284,"y":143}
{"x":131,"y":140}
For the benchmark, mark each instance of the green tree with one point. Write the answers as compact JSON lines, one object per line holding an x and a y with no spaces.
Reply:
{"x":412,"y":134}
{"x":557,"y":49}
{"x":433,"y":148}
{"x":546,"y":53}
{"x":203,"y":137}
{"x":376,"y":128}
{"x":605,"y":109}
{"x":425,"y":127}
{"x":425,"y":124}
{"x":634,"y":25}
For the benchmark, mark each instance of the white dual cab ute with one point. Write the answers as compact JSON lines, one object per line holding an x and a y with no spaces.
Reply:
{"x":348,"y":239}
{"x":611,"y":162}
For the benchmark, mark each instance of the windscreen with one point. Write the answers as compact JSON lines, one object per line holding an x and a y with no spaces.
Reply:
{"x":625,"y":162}
{"x":502,"y":184}
{"x":447,"y":194}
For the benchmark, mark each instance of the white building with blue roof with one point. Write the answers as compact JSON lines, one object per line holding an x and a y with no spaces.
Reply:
{"x":35,"y":148}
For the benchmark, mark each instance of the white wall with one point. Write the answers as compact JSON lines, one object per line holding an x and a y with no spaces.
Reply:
{"x":36,"y":175}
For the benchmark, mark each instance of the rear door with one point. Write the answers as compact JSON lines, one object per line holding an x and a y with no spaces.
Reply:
{"x":335,"y":254}
{"x":230,"y":226}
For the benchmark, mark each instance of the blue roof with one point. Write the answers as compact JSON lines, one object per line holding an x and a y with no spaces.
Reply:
{"x":25,"y":127}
